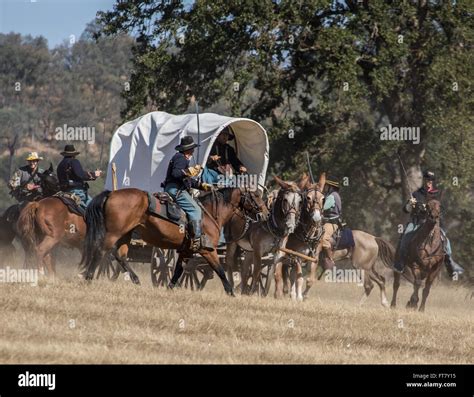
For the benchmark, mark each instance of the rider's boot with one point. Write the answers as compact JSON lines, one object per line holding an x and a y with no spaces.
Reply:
{"x":453,"y":268}
{"x":199,"y":240}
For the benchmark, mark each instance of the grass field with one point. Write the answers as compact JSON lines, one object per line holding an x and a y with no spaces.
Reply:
{"x":103,"y":322}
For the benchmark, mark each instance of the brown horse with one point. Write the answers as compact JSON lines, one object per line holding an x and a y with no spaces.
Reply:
{"x":305,"y":239}
{"x":8,"y":233}
{"x":260,"y":238}
{"x":8,"y":221}
{"x":44,"y":224}
{"x":111,"y":218}
{"x":425,"y":256}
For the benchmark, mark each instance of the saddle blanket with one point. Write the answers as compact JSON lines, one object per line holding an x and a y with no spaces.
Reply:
{"x":344,"y":239}
{"x":71,"y":201}
{"x":168,"y":210}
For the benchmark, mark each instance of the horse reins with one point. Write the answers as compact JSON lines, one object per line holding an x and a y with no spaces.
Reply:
{"x":308,"y":234}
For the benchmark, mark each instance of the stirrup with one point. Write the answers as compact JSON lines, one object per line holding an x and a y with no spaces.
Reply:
{"x":206,"y":243}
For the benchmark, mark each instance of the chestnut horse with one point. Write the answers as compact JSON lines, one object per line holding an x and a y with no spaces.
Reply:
{"x":47,"y":223}
{"x":44,"y":224}
{"x":425,"y":256}
{"x":16,"y":226}
{"x":111,"y":218}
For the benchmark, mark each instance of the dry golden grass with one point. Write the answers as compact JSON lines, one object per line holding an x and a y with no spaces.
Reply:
{"x":72,"y":322}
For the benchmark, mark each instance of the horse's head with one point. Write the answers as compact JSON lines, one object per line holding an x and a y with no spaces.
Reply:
{"x":289,"y":200}
{"x":433,"y":210}
{"x":49,"y":181}
{"x":313,"y":197}
{"x":253,"y":204}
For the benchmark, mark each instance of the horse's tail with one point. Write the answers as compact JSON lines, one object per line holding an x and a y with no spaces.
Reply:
{"x":386,"y":252}
{"x":26,"y":225}
{"x":94,"y":240}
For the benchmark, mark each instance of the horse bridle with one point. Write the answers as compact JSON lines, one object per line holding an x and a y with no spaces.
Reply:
{"x":308,"y":235}
{"x":271,"y":221}
{"x":242,"y":213}
{"x":246,"y":196}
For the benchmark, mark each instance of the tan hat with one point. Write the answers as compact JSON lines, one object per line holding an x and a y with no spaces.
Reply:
{"x":33,"y":156}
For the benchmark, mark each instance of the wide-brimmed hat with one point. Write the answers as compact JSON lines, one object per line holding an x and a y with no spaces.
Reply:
{"x":429,"y":175}
{"x":32,"y":156}
{"x":331,"y":180}
{"x":70,"y":150}
{"x":187,"y":143}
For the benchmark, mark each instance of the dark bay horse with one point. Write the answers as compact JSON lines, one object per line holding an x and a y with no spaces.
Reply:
{"x":8,"y":232}
{"x":111,"y":218}
{"x":259,"y":238}
{"x":425,"y":256}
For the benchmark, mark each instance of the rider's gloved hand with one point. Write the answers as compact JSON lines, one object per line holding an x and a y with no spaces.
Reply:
{"x":194,"y":171}
{"x":413,"y":201}
{"x":206,"y":186}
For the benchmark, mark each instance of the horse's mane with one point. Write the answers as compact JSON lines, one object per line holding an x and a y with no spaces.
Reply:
{"x":293,"y":187}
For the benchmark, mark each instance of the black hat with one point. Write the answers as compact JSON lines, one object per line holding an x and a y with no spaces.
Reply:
{"x":187,"y":143}
{"x":429,"y":175}
{"x":331,"y":180}
{"x":229,"y":132}
{"x":70,"y":150}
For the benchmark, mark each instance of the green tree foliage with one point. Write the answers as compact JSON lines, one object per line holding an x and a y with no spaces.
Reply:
{"x":332,"y":72}
{"x":78,"y":84}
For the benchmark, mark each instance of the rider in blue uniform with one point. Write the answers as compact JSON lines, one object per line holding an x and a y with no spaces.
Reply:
{"x":415,"y":206}
{"x":72,"y":178}
{"x":179,"y":180}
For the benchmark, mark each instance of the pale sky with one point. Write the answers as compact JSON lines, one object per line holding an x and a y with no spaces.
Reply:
{"x":56,"y":20}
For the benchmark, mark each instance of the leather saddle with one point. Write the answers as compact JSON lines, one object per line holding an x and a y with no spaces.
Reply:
{"x":72,"y":202}
{"x":168,"y":209}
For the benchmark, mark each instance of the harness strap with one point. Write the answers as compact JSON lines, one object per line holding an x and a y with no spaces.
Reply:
{"x":208,"y":214}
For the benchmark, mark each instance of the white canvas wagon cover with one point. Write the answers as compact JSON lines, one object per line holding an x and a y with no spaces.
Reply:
{"x":142,"y":148}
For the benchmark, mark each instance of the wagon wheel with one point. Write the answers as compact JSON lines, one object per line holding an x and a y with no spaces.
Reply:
{"x":265,"y":281}
{"x":162,"y":266}
{"x":195,"y":275}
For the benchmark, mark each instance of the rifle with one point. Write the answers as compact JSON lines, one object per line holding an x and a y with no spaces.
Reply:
{"x":406,"y":175}
{"x":309,"y":167}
